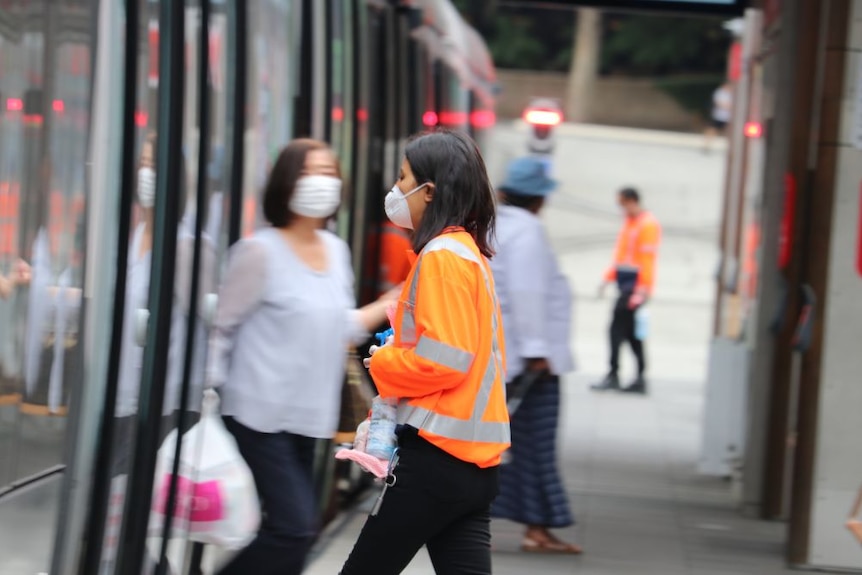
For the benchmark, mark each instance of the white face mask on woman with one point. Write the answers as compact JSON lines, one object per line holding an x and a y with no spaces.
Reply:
{"x":146,"y":187}
{"x":397,"y":208}
{"x":316,"y":196}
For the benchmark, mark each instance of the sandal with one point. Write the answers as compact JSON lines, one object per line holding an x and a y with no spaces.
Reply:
{"x":531,"y":545}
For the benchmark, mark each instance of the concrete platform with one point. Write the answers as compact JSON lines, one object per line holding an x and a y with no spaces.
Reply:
{"x":629,"y":466}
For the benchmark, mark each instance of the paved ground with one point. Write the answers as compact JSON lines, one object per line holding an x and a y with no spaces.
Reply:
{"x":629,"y":462}
{"x":629,"y":470}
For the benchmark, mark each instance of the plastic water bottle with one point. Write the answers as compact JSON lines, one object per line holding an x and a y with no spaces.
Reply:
{"x":360,"y":443}
{"x":381,"y":431}
{"x":641,"y":323}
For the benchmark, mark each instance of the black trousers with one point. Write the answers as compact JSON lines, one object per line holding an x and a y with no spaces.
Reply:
{"x":438,"y":501}
{"x":622,"y":330}
{"x":282,"y":466}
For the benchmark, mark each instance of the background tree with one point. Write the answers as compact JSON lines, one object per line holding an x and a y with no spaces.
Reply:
{"x":684,"y":55}
{"x":522,"y":38}
{"x":585,"y":64}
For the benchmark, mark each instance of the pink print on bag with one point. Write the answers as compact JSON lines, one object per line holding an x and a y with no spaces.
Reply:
{"x":198,"y":502}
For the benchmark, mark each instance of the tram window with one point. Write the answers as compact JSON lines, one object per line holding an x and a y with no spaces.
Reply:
{"x":42,"y":202}
{"x":428,"y":100}
{"x":482,"y":117}
{"x":414,"y":88}
{"x":272,"y":63}
{"x":378,"y":81}
{"x":44,"y":119}
{"x":405,"y":84}
{"x":363,"y":188}
{"x":137,"y":280}
{"x":455,"y":101}
{"x":202,"y":229}
{"x":342,"y":103}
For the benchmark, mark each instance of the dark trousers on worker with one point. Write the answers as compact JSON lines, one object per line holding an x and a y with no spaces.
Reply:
{"x":438,"y":501}
{"x":622,"y":330}
{"x":282,"y":466}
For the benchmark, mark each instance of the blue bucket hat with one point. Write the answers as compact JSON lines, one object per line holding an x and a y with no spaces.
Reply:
{"x":528,"y":176}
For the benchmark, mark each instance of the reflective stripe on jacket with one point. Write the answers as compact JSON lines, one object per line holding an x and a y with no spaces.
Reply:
{"x":637,"y":246}
{"x":447,"y":361}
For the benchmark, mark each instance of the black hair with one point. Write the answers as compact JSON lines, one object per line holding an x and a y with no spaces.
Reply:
{"x":630,"y":195}
{"x":523,"y":201}
{"x":287,"y":170}
{"x":462,"y":190}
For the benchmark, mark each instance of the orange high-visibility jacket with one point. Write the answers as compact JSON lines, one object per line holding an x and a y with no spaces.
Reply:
{"x":394,"y":261}
{"x":447,"y":362}
{"x":637,"y":246}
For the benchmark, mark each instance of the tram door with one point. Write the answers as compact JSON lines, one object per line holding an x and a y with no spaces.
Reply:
{"x":194,"y":98}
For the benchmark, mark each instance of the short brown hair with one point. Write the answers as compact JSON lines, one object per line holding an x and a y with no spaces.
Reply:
{"x":283,"y":177}
{"x":630,"y":194}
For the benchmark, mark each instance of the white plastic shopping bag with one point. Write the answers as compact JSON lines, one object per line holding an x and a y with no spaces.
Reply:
{"x":216,"y":501}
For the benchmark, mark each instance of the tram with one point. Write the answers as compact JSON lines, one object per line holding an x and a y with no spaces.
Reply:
{"x":207,"y":91}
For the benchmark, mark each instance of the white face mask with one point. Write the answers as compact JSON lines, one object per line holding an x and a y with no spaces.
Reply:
{"x":397,"y":208}
{"x":146,"y":187}
{"x":316,"y":196}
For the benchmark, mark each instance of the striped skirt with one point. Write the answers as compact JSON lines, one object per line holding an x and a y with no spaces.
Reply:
{"x":531,"y":492}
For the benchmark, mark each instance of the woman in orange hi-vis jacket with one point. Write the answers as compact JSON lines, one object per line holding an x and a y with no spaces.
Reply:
{"x":634,"y":273}
{"x":446,"y":368}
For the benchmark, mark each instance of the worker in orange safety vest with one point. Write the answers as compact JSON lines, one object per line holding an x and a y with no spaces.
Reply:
{"x":446,"y":368}
{"x":389,"y":269}
{"x":394,"y":264}
{"x":633,"y":270}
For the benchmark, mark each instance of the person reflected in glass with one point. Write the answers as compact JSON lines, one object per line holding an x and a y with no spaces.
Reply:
{"x":286,"y":316}
{"x":135,"y":306}
{"x":536,"y":303}
{"x":131,"y":343}
{"x":10,"y":386}
{"x":19,"y":276}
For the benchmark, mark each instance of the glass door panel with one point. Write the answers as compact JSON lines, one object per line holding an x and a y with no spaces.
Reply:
{"x":45,"y":77}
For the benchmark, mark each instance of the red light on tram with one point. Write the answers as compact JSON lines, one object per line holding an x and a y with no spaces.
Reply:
{"x":483,"y":118}
{"x":785,"y":238}
{"x":141,"y":119}
{"x":859,"y":238}
{"x":543,"y":117}
{"x":14,"y":104}
{"x":453,"y":118}
{"x":430,"y":118}
{"x":338,"y":114}
{"x":58,"y":106}
{"x":33,"y":119}
{"x":362,"y":115}
{"x":753,"y":129}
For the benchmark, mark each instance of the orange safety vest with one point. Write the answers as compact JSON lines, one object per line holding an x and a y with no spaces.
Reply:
{"x":749,"y":268}
{"x":446,"y":364}
{"x":637,"y":246}
{"x":8,"y":218}
{"x":390,"y":257}
{"x":394,"y":262}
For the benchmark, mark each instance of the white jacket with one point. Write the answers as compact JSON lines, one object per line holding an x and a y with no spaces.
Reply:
{"x":534,"y":295}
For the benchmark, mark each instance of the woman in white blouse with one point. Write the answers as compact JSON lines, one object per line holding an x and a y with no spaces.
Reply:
{"x":536,"y":305}
{"x":285,"y":319}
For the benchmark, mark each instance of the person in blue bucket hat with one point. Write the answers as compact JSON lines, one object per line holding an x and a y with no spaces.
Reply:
{"x":536,"y":304}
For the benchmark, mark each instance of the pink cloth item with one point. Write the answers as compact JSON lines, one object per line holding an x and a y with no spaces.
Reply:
{"x":390,"y":314}
{"x":376,"y":467}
